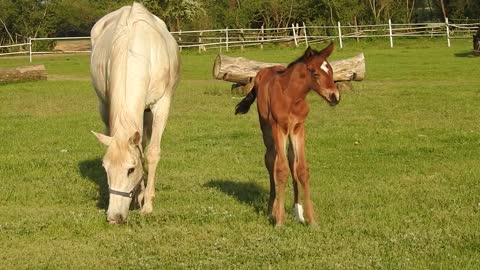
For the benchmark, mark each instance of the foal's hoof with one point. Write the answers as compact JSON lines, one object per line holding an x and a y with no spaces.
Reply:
{"x":278,"y":225}
{"x":312,"y":225}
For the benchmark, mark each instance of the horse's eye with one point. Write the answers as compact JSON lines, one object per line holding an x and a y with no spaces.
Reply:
{"x":130,"y":171}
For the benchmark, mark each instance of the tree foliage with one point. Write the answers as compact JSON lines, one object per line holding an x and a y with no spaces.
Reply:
{"x":20,"y":19}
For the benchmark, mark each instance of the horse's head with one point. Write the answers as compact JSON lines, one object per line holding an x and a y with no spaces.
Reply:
{"x":123,"y":163}
{"x":321,"y":73}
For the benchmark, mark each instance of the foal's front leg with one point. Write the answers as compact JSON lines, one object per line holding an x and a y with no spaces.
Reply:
{"x":297,"y":206}
{"x":299,"y":169}
{"x":160,"y":114}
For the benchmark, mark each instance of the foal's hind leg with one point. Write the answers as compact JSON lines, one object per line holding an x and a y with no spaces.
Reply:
{"x":269,"y":162}
{"x":300,"y":168}
{"x":280,"y":173}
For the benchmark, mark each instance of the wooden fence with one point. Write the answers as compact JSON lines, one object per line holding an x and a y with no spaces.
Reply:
{"x":296,"y":34}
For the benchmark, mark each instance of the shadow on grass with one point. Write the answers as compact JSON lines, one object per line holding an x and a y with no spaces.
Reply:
{"x":93,"y":171}
{"x":250,"y":194}
{"x":465,"y":54}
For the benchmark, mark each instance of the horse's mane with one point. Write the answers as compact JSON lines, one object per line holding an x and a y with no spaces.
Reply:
{"x":121,"y":38}
{"x":302,"y":59}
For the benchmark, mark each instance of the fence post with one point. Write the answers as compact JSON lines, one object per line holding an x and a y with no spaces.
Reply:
{"x":226,"y":39}
{"x":340,"y":35}
{"x":305,"y":34}
{"x":263,"y":37}
{"x":179,"y":40}
{"x":294,"y":35}
{"x":242,"y":38}
{"x":448,"y":31}
{"x":30,"y":48}
{"x":390,"y":32}
{"x":200,"y":42}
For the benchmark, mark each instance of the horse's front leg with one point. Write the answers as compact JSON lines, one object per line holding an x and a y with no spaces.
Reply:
{"x":280,"y":173}
{"x":160,"y":114}
{"x":300,"y":173}
{"x":297,"y":206}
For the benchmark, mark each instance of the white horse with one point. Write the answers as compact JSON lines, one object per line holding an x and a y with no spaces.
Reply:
{"x":134,"y":68}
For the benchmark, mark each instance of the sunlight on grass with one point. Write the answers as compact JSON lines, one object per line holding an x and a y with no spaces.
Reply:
{"x":394,"y":171}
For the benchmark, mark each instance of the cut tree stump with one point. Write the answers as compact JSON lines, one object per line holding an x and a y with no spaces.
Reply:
{"x":242,"y":71}
{"x":22,"y":74}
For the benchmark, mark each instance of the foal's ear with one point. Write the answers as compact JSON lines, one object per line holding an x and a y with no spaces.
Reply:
{"x":327,"y":50}
{"x":135,"y":139}
{"x":106,"y":140}
{"x":308,"y":53}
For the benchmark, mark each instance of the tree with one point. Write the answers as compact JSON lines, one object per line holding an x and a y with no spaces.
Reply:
{"x":379,"y":8}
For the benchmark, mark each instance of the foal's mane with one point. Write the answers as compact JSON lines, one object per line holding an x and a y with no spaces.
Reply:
{"x":303,"y":58}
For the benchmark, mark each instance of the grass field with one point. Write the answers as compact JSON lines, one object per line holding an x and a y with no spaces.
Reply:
{"x":394,"y":171}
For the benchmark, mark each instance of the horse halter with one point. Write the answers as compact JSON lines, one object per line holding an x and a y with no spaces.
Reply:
{"x":134,"y":189}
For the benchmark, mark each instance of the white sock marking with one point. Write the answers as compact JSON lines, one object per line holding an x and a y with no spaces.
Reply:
{"x":299,"y":213}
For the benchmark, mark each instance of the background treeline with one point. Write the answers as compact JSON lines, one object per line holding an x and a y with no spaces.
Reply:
{"x":20,"y":19}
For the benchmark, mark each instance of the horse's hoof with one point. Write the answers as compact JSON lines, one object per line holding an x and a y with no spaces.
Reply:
{"x":146,"y":209}
{"x":313,"y":225}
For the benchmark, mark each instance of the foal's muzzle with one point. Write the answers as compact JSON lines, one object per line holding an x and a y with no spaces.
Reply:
{"x":334,"y":99}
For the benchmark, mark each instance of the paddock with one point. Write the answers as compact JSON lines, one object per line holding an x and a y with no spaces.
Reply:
{"x":394,"y":170}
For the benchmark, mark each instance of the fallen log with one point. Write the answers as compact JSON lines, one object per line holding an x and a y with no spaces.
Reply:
{"x":242,"y":71}
{"x":476,"y":43}
{"x":22,"y":74}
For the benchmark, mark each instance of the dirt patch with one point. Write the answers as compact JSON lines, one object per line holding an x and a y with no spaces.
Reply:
{"x":72,"y":45}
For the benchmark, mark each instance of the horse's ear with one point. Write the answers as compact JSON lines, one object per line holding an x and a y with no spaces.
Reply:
{"x":135,"y":139}
{"x":327,"y":50}
{"x":104,"y":139}
{"x":308,"y":53}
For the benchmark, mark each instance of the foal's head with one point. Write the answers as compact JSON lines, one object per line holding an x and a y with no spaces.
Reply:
{"x":321,"y":74}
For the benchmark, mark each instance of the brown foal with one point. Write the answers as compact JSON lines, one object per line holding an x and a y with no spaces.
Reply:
{"x":282,"y":109}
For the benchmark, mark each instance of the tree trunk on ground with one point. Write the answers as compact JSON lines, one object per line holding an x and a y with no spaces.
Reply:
{"x":21,"y":74}
{"x":242,"y":71}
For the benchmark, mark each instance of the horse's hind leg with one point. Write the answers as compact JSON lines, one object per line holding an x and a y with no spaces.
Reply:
{"x":280,"y":173}
{"x":160,"y":112}
{"x":269,"y":162}
{"x":300,"y":168}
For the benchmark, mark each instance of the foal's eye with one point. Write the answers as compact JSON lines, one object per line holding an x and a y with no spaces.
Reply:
{"x":130,"y":171}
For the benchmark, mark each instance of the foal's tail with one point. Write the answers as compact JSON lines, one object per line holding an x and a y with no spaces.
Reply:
{"x":244,"y":105}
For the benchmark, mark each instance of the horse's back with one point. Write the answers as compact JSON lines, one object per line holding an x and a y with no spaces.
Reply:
{"x":266,"y":82}
{"x":131,"y":46}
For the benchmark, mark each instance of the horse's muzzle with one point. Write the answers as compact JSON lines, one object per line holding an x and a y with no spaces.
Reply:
{"x":334,"y":99}
{"x":116,"y":219}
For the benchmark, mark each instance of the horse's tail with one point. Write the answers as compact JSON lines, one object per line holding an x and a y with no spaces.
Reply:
{"x":244,"y":105}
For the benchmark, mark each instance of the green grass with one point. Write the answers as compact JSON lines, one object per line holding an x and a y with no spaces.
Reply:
{"x":394,"y":171}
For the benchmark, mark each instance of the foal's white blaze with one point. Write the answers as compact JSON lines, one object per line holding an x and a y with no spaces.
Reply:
{"x":299,"y":213}
{"x":324,"y":66}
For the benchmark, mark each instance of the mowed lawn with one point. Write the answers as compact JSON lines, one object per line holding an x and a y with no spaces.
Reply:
{"x":395,"y":171}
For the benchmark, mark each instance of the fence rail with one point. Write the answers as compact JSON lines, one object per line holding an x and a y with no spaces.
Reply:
{"x":224,"y":39}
